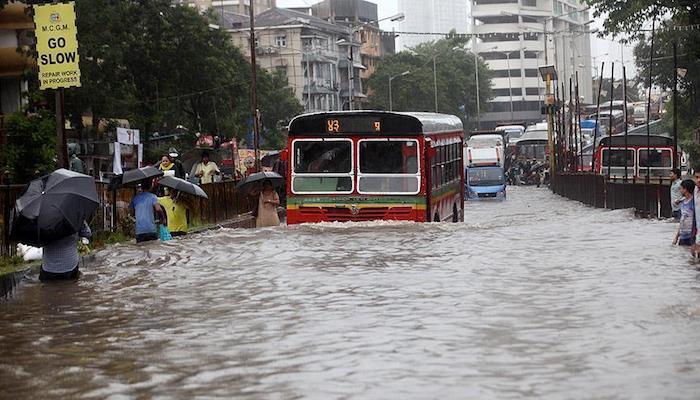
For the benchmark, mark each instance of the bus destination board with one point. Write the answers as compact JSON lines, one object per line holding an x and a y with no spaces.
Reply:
{"x":353,"y":125}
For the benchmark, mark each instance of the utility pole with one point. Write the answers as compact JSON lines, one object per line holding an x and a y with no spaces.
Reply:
{"x":675,"y":105}
{"x":476,"y":72}
{"x":254,"y":88}
{"x":435,"y":82}
{"x":61,"y":147}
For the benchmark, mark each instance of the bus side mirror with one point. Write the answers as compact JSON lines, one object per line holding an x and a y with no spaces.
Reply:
{"x":284,"y":155}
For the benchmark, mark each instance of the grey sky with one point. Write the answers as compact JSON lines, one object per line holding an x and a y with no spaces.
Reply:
{"x":603,"y":50}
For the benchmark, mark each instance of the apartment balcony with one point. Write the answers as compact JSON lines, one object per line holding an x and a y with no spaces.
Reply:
{"x":321,"y":86}
{"x":509,"y":46}
{"x":13,"y":63}
{"x":493,"y":10}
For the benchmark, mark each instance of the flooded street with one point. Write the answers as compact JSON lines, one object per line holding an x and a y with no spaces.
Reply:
{"x":533,"y":297}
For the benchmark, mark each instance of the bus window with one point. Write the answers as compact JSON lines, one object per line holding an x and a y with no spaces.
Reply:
{"x":655,"y":158}
{"x":322,"y":166}
{"x":658,"y":161}
{"x":389,"y":166}
{"x":617,"y":157}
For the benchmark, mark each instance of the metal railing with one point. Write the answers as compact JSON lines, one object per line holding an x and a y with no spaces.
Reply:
{"x":651,"y":199}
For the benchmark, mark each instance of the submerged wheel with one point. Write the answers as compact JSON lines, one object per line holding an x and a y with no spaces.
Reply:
{"x":436,"y":218}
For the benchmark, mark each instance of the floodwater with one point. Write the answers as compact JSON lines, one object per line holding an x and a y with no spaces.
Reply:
{"x":534,"y":297}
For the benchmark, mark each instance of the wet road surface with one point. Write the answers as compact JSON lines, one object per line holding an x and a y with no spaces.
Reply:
{"x":534,"y":297}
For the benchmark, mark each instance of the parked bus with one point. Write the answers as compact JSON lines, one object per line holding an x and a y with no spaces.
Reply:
{"x":658,"y":156}
{"x":373,"y":165}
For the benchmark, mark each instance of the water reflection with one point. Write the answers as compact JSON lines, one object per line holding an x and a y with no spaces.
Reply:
{"x":533,"y":297}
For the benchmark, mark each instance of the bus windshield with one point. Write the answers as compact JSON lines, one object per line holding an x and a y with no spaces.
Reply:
{"x":655,"y":158}
{"x":388,"y":166}
{"x":322,"y":166}
{"x":616,"y":157}
{"x":485,"y":177}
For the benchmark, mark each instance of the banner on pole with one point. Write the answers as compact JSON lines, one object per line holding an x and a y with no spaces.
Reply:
{"x":128,"y":136}
{"x":57,"y":45}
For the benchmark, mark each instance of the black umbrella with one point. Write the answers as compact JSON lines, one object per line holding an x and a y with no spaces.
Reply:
{"x":53,"y":207}
{"x":255,"y":181}
{"x":140,"y":174}
{"x":183,"y":186}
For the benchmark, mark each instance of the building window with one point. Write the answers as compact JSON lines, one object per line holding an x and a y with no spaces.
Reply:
{"x":531,"y":54}
{"x":486,"y":2}
{"x":506,"y":92}
{"x":503,"y":73}
{"x":529,"y":3}
{"x":532,"y":73}
{"x":281,"y":41}
{"x":531,"y":36}
{"x":532,"y":91}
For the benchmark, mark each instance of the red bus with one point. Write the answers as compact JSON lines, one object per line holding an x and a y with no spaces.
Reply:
{"x":373,"y":165}
{"x":657,"y":156}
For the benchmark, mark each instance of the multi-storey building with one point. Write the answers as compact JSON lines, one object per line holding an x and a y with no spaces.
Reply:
{"x":431,"y":16}
{"x":361,"y":16}
{"x":15,"y":24}
{"x":313,"y":53}
{"x":511,"y":39}
{"x":235,"y":6}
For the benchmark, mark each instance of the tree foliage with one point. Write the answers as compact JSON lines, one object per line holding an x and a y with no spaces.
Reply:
{"x":31,"y":144}
{"x":456,"y":83}
{"x":629,"y":17}
{"x":162,"y":66}
{"x":633,"y":93}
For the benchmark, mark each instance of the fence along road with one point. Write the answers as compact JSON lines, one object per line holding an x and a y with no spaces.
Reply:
{"x":223,"y":204}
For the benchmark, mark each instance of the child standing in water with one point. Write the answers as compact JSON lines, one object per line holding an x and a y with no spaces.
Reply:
{"x":685,"y":234}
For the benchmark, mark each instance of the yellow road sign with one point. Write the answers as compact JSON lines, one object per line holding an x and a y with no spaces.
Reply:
{"x":57,"y":45}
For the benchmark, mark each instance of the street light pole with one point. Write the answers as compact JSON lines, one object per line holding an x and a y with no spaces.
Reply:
{"x":254,"y":89}
{"x":510,"y":85}
{"x":476,"y":72}
{"x":391,"y":78}
{"x":435,"y":82}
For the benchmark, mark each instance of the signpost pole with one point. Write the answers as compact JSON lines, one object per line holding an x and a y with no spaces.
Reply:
{"x":61,"y":147}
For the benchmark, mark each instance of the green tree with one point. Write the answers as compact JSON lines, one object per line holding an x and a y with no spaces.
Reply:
{"x":633,"y":93}
{"x":456,"y":82}
{"x":31,"y":144}
{"x":161,"y":66}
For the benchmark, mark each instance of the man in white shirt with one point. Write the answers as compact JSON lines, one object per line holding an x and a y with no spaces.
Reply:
{"x":695,"y":249}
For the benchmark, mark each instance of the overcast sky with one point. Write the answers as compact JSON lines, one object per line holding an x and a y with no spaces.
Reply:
{"x":603,"y":50}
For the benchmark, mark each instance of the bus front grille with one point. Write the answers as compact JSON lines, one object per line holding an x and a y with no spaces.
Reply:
{"x":345,"y":214}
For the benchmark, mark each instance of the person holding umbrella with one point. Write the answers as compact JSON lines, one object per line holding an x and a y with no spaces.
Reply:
{"x":176,"y":208}
{"x":51,"y":214}
{"x":177,"y":202}
{"x":261,"y":185}
{"x":145,"y":207}
{"x":268,"y":201}
{"x":60,"y":259}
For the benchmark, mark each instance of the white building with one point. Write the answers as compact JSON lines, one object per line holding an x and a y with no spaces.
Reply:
{"x":511,"y":41}
{"x":236,"y":6}
{"x":430,"y":16}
